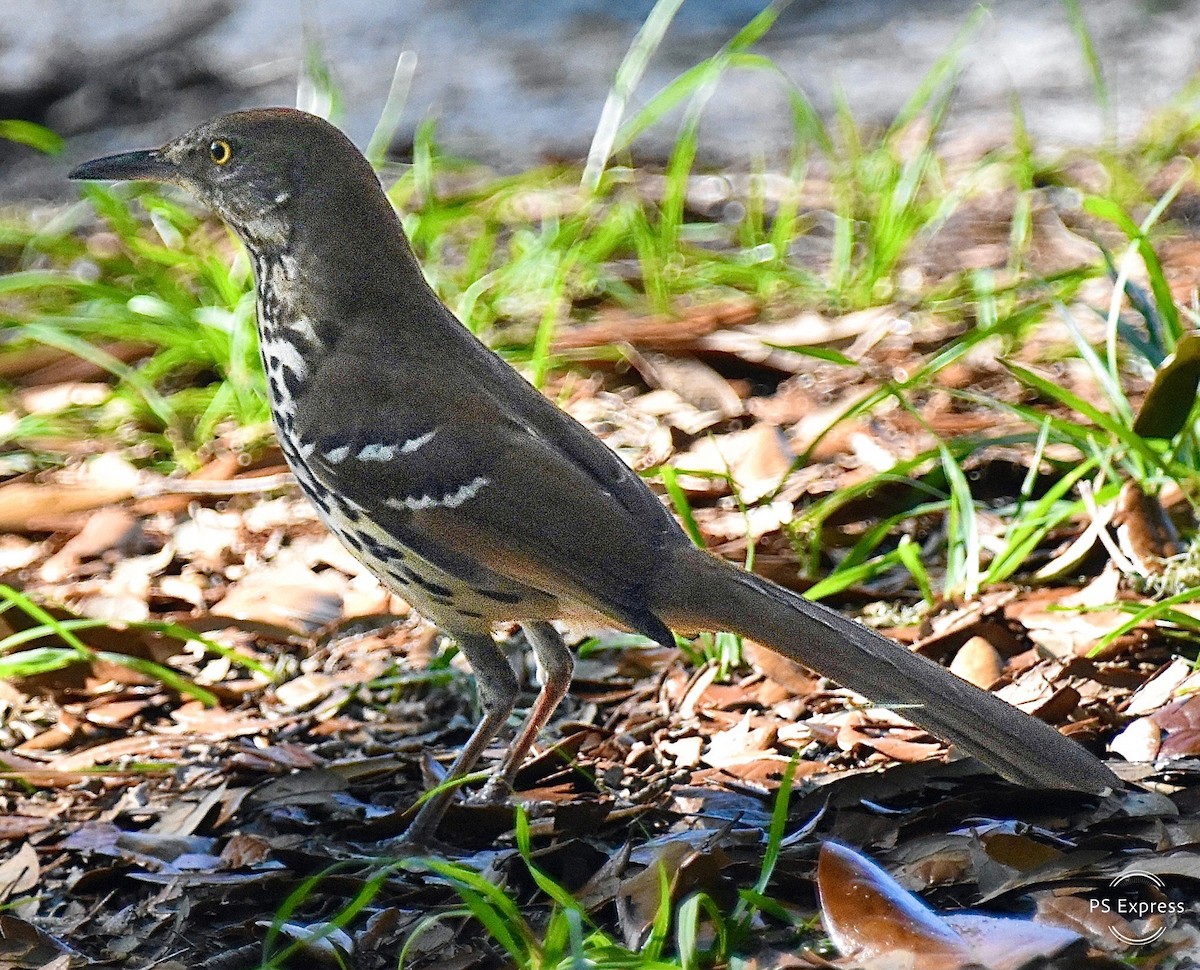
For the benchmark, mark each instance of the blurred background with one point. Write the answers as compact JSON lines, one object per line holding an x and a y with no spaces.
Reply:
{"x":513,"y":83}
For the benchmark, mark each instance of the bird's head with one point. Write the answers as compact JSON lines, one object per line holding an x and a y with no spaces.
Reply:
{"x":252,"y":167}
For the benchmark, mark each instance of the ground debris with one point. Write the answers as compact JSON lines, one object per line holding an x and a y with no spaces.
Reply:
{"x":250,"y":715}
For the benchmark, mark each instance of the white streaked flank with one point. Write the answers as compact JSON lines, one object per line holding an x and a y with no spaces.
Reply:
{"x":450,"y":500}
{"x":377,"y":452}
{"x":285,"y":354}
{"x":304,"y":327}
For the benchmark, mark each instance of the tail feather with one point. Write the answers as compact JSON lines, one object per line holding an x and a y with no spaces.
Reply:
{"x":702,"y":592}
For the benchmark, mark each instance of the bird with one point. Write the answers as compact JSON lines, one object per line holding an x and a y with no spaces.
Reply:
{"x":475,"y":498}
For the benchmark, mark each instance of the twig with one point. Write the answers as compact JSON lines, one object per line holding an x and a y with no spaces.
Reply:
{"x":199,"y":486}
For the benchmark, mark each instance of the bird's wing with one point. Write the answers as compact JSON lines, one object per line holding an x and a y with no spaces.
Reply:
{"x":468,"y":483}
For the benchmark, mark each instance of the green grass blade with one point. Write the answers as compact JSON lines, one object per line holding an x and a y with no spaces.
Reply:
{"x":38,"y":660}
{"x":544,"y":882}
{"x":34,"y":135}
{"x":13,"y":597}
{"x":393,"y":108}
{"x":159,"y":406}
{"x":1031,"y":527}
{"x":696,"y":78}
{"x":909,"y":554}
{"x":1119,"y":431}
{"x":843,"y":579}
{"x":488,"y":903}
{"x":165,"y":675}
{"x":679,"y":501}
{"x":1091,"y":58}
{"x":629,"y":75}
{"x":1146,"y":614}
{"x":962,"y":532}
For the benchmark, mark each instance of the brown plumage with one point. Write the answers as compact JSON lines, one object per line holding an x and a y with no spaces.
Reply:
{"x":473,"y":496}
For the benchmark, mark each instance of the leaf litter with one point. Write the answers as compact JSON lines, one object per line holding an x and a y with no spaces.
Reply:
{"x":144,"y":826}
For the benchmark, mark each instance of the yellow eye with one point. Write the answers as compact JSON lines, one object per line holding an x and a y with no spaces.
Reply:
{"x":220,"y":152}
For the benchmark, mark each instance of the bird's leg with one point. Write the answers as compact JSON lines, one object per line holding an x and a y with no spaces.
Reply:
{"x":497,"y":693}
{"x":555,"y":665}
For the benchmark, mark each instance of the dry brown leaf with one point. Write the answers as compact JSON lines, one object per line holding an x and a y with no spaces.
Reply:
{"x":1067,"y":559}
{"x":873,"y":920}
{"x":796,"y":678}
{"x":978,"y":662}
{"x":1057,"y":707}
{"x":281,"y":755}
{"x":35,"y":366}
{"x":667,"y":333}
{"x":695,"y":383}
{"x":1002,"y":943}
{"x":19,"y":826}
{"x":1017,"y":851}
{"x":243,"y":851}
{"x":289,"y":596}
{"x":761,"y":343}
{"x":1140,"y":741}
{"x":28,"y":507}
{"x":116,"y":713}
{"x":685,"y":868}
{"x":20,"y":872}
{"x":157,"y":846}
{"x":739,"y":744}
{"x":669,"y":410}
{"x":105,"y":529}
{"x":216,"y":723}
{"x":27,"y":946}
{"x":1159,"y":689}
{"x":1066,"y":633}
{"x":1144,"y":530}
{"x":304,"y":691}
{"x":1080,"y":914}
{"x":700,"y":682}
{"x":318,"y":944}
{"x":984,"y":615}
{"x":936,"y":860}
{"x":761,"y":775}
{"x":1180,"y":721}
{"x":685,"y":752}
{"x":756,"y":459}
{"x":890,"y":741}
{"x":222,"y":468}
{"x":53,"y":398}
{"x":878,"y":925}
{"x":56,"y":736}
{"x":141,"y":746}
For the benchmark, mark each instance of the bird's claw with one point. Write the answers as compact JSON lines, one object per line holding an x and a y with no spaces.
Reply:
{"x":406,"y":846}
{"x":497,"y":791}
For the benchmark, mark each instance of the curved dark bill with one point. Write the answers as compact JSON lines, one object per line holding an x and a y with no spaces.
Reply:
{"x":127,"y":165}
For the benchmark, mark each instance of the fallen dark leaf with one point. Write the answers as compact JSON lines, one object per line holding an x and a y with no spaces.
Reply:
{"x":1169,"y":400}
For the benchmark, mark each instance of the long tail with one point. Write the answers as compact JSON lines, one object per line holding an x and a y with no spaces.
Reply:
{"x":701,"y":592}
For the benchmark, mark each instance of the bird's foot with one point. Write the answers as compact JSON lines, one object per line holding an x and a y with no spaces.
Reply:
{"x":410,"y":845}
{"x":497,"y":791}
